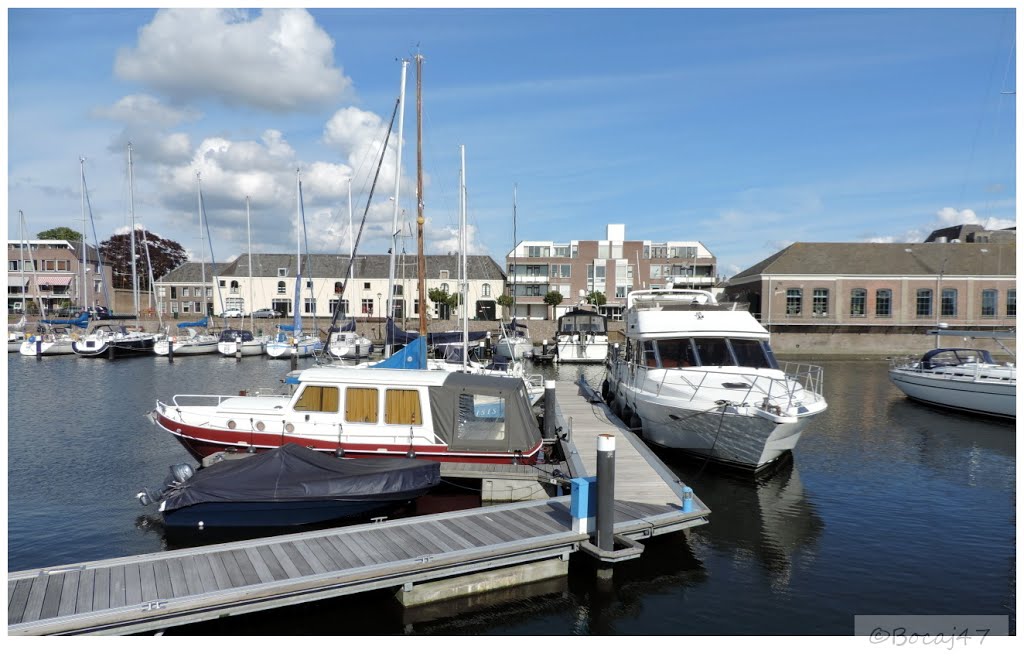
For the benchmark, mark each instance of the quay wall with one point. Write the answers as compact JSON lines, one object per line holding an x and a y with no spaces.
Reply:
{"x":824,"y":342}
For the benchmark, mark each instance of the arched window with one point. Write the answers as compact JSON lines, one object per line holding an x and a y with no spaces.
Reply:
{"x":337,"y":287}
{"x":444,"y":287}
{"x":485,"y":290}
{"x":281,"y":289}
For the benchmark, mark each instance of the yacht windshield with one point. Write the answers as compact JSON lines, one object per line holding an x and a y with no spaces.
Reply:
{"x":684,"y":352}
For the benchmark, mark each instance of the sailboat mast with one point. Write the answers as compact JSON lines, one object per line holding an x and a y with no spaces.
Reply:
{"x":394,"y":220}
{"x":351,"y":250}
{"x":32,"y":262}
{"x":463,"y":285}
{"x":296,"y":317}
{"x":248,"y":235}
{"x":131,"y":218}
{"x":515,"y":277}
{"x":83,"y":301}
{"x":202,"y":247}
{"x":21,"y":263}
{"x":421,"y":266}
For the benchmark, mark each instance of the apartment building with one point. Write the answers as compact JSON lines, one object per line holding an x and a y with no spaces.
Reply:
{"x":50,"y":272}
{"x":612,"y":266}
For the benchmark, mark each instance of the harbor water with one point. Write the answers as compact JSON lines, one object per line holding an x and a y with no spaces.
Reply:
{"x":886,"y":507}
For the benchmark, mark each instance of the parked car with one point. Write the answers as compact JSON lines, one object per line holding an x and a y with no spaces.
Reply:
{"x":232,"y":312}
{"x":265,"y":312}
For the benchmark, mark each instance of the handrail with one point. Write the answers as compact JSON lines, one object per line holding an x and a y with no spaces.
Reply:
{"x":761,"y":391}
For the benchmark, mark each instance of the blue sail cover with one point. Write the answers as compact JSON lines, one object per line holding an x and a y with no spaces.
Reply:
{"x":198,"y":323}
{"x":396,"y":336}
{"x":287,"y":327}
{"x":350,"y":325}
{"x":81,"y":321}
{"x":413,"y":355}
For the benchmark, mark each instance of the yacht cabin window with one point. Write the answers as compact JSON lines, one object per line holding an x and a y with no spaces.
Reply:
{"x":676,"y":353}
{"x":713,"y":352}
{"x":361,"y":405}
{"x":315,"y":398}
{"x":402,"y":406}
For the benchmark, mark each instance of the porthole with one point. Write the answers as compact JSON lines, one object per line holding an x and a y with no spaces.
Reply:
{"x":289,"y":427}
{"x":231,"y":423}
{"x":260,"y":426}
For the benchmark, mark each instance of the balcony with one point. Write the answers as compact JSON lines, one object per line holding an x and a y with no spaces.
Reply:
{"x":527,"y":280}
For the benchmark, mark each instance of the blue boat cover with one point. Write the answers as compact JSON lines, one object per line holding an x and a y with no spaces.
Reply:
{"x":293,"y":472}
{"x":81,"y":321}
{"x":198,"y":323}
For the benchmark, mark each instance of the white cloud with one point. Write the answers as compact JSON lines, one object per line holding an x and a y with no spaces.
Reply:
{"x":945,"y":217}
{"x":446,"y":240}
{"x":141,"y":109}
{"x":279,"y":60}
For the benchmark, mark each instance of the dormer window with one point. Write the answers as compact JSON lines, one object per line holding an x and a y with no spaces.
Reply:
{"x":282,"y":272}
{"x":444,"y":274}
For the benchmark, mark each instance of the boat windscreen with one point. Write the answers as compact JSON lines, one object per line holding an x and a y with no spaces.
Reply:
{"x":750,"y":353}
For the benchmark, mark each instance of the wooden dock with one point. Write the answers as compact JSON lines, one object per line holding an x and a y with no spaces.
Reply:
{"x":150,"y":592}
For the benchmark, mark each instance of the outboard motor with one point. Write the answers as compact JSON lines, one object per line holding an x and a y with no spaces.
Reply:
{"x":178,"y":475}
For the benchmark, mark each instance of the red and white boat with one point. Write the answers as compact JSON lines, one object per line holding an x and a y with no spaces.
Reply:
{"x":362,"y":412}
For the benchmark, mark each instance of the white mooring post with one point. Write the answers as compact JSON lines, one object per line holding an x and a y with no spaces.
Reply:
{"x":606,"y":492}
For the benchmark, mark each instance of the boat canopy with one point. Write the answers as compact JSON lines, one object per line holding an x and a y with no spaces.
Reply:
{"x":412,"y":356}
{"x":953,"y":356}
{"x":350,"y":325}
{"x":586,"y":321}
{"x":292,"y":473}
{"x":475,"y":412}
{"x":231,"y":335}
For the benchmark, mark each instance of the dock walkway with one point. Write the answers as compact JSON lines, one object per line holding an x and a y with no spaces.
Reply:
{"x":153,"y":591}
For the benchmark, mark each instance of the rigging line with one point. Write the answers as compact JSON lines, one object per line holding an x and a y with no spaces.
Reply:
{"x":977,"y":129}
{"x":99,"y":255}
{"x":209,"y":239}
{"x":714,"y":444}
{"x":992,"y":191}
{"x":366,"y":211}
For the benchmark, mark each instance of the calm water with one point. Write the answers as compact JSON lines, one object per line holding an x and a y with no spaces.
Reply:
{"x":887,"y":507}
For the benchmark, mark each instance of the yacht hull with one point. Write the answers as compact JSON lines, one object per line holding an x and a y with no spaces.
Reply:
{"x":992,"y":398}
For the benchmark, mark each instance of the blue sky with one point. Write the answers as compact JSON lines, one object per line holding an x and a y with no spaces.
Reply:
{"x":743,"y":129}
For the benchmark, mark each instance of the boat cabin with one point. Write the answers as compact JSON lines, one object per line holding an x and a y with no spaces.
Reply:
{"x":700,"y":351}
{"x":582,"y":321}
{"x":955,"y":356}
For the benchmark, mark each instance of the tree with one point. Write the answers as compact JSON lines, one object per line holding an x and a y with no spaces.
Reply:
{"x":505,"y":300}
{"x":59,"y":234}
{"x":446,"y":302}
{"x":597,"y":298}
{"x":553,"y":298}
{"x":165,"y":255}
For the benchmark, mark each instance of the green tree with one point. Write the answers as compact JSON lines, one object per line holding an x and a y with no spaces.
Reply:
{"x":553,"y":298}
{"x":597,"y":298}
{"x":59,"y":234}
{"x":446,"y":302}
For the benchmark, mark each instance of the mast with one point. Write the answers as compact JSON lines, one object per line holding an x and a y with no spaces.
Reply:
{"x":99,"y":255}
{"x":32,"y":261}
{"x":515,"y":277}
{"x":131,"y":216}
{"x":248,"y":235}
{"x":463,"y":284}
{"x":21,"y":263}
{"x":296,"y":317}
{"x":421,"y":266}
{"x":351,"y":251}
{"x":84,"y":300}
{"x":151,"y":294}
{"x":394,"y":220}
{"x":202,"y":248}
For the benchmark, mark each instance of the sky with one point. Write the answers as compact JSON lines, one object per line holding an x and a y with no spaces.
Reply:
{"x":743,"y":129}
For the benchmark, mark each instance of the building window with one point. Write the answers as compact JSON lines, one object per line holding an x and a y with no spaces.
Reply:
{"x":819,"y":303}
{"x":161,"y":292}
{"x":366,"y":285}
{"x":794,"y":302}
{"x":198,"y":307}
{"x":443,"y":275}
{"x":282,"y":272}
{"x":184,"y":291}
{"x":366,"y":307}
{"x":485,"y":291}
{"x":281,"y":289}
{"x":344,"y":307}
{"x":883,"y":303}
{"x":620,"y":291}
{"x":1011,"y":303}
{"x":337,"y":287}
{"x":924,"y":303}
{"x":234,"y":286}
{"x":309,"y":306}
{"x":12,"y":265}
{"x":174,"y":306}
{"x":209,"y":292}
{"x":989,"y":302}
{"x":858,"y":302}
{"x":174,"y":292}
{"x":221,"y":283}
{"x":186,"y":306}
{"x":948,"y":302}
{"x":444,"y":287}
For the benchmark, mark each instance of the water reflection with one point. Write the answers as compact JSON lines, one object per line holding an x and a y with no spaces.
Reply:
{"x":767,"y":518}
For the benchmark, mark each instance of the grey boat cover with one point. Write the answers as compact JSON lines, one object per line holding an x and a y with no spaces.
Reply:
{"x":293,"y":472}
{"x":491,"y":413}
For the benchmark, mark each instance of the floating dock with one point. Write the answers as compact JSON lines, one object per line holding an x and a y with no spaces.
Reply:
{"x":425,"y":557}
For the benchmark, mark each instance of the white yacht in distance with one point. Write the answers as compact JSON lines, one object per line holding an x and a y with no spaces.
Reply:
{"x":960,"y":378}
{"x":582,"y":337}
{"x":700,"y":376}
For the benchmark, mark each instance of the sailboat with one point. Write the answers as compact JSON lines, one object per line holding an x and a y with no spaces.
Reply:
{"x":16,"y":331}
{"x":242,"y":342}
{"x":113,"y":341}
{"x":193,"y":342}
{"x":290,"y":340}
{"x":515,"y":341}
{"x":344,"y":342}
